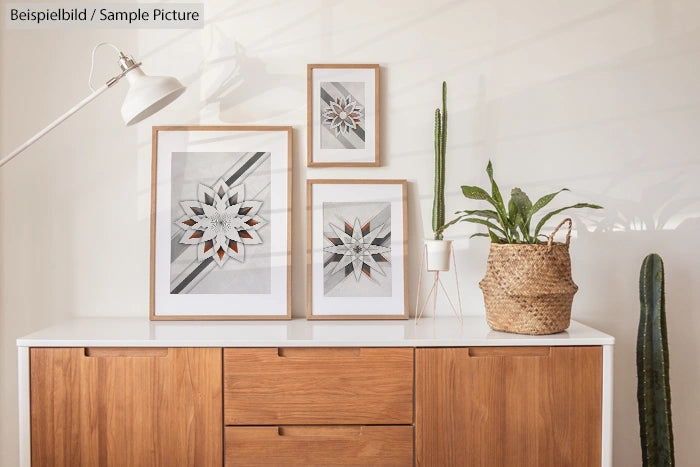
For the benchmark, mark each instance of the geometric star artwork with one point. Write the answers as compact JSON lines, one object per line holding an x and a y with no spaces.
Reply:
{"x":356,"y":250}
{"x":220,"y":222}
{"x":342,"y":115}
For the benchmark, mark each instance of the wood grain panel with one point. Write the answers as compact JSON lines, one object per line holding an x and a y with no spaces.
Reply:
{"x":495,"y":408}
{"x":271,"y":386}
{"x":137,"y":410}
{"x":319,"y":446}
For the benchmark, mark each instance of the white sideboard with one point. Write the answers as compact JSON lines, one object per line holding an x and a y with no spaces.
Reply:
{"x":473,"y":335}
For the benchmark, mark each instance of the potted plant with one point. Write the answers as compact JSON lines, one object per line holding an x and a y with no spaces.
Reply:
{"x":528,"y":287}
{"x":438,"y":249}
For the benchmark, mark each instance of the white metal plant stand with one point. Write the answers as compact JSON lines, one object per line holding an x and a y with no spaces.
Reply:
{"x":437,"y":286}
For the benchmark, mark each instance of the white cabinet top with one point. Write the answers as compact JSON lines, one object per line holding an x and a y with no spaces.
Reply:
{"x":429,"y":332}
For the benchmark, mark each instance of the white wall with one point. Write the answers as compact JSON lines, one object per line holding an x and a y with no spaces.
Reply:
{"x":601,"y":96}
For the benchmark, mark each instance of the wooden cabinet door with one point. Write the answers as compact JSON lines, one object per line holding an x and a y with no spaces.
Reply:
{"x":126,"y":406}
{"x":508,"y":406}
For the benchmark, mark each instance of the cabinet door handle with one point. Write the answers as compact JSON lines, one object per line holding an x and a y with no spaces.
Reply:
{"x":484,"y":352}
{"x":338,"y":431}
{"x":316,"y":352}
{"x":126,"y":352}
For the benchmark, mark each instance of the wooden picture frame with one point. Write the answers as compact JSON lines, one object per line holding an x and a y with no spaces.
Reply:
{"x":356,"y":249}
{"x":343,"y":115}
{"x":220,"y":222}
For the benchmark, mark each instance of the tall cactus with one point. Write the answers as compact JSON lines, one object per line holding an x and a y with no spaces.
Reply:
{"x":440,"y":147}
{"x":653,"y":389}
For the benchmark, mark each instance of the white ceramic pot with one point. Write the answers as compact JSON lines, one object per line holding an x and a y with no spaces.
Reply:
{"x":438,"y":254}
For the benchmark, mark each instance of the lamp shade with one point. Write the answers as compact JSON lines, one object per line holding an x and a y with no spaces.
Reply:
{"x":148,"y":94}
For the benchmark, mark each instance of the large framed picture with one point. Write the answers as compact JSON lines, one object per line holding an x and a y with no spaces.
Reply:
{"x":220,"y":214}
{"x":343,"y":115}
{"x":356,"y":249}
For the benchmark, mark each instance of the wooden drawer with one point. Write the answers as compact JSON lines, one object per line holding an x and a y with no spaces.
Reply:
{"x":319,"y":445}
{"x":315,"y":386}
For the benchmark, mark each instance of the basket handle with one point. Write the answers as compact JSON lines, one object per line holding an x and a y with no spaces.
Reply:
{"x":568,"y":234}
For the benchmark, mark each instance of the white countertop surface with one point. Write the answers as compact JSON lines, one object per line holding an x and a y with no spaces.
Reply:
{"x":429,"y":332}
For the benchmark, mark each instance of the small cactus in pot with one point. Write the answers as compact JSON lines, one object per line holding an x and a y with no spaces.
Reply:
{"x":439,"y":249}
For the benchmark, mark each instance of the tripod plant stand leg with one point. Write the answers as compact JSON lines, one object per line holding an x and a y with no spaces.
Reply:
{"x":420,"y":280}
{"x":433,"y":293}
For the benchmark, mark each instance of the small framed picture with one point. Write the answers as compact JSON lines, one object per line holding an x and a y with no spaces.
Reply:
{"x":356,"y":249}
{"x":343,"y":115}
{"x":220,"y":233}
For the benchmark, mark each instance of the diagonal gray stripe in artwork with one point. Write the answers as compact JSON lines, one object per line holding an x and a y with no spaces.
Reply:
{"x":341,"y":139}
{"x":202,"y":266}
{"x":233,"y":178}
{"x":360,"y":132}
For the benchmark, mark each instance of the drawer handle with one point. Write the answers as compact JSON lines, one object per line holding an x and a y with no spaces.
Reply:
{"x":485,"y":352}
{"x":126,"y":352}
{"x":347,"y":431}
{"x":316,"y":352}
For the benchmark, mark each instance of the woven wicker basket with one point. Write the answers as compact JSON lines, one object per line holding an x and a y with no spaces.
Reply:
{"x":528,"y":288}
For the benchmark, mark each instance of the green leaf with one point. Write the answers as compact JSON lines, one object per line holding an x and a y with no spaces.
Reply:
{"x":496,"y":194}
{"x":487,"y":213}
{"x":557,"y":211}
{"x":488,"y":224}
{"x":516,"y":221}
{"x":515,"y":236}
{"x":521,"y":206}
{"x":522,"y":202}
{"x":474,"y":192}
{"x":496,"y":239}
{"x":479,"y":234}
{"x":512,"y":210}
{"x":542,"y":202}
{"x":498,"y":200}
{"x":443,"y":227}
{"x":520,"y":224}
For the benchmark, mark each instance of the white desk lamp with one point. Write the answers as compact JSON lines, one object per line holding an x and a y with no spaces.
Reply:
{"x":146,"y":96}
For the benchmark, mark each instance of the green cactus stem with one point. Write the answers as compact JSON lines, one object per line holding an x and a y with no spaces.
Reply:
{"x":653,"y":389}
{"x":440,"y":148}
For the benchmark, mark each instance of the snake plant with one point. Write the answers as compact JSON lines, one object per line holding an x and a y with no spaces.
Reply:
{"x":510,"y":222}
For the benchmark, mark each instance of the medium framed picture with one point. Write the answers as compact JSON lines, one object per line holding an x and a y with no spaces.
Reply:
{"x":220,"y":222}
{"x":356,"y":249}
{"x":343,"y":115}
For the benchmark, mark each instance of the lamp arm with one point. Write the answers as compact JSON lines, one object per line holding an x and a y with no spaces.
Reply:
{"x":145,"y":104}
{"x":58,"y":121}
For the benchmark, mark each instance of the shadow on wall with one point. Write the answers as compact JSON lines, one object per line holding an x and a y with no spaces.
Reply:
{"x":665,"y":220}
{"x":231,"y":77}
